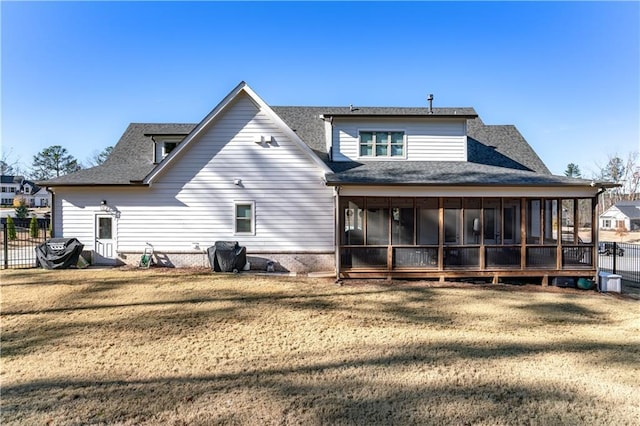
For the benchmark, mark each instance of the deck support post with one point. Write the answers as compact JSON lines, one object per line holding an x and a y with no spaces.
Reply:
{"x":545,"y":280}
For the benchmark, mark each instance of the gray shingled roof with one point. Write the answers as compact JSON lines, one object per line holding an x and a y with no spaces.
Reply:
{"x":502,"y":146}
{"x":11,"y":179}
{"x":130,"y":161}
{"x":631,"y":209}
{"x":439,"y":173}
{"x":497,"y":154}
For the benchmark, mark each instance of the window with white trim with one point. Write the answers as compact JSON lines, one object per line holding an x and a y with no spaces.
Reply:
{"x":382,"y":144}
{"x":167,"y":147}
{"x":244,"y":217}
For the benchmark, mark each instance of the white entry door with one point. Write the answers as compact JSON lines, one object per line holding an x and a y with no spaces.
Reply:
{"x":105,"y":253}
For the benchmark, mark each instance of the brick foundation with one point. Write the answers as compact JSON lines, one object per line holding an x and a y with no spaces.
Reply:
{"x":281,"y":262}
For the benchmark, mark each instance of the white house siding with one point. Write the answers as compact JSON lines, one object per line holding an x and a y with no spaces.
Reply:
{"x":613,"y":217}
{"x":426,"y":140}
{"x":193,"y":201}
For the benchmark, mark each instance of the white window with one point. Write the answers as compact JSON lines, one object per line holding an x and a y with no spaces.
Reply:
{"x":244,"y":218}
{"x":167,"y":147}
{"x":606,"y":223}
{"x":382,"y":144}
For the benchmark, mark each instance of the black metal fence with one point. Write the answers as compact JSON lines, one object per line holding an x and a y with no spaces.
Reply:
{"x":620,"y":258}
{"x":19,"y":241}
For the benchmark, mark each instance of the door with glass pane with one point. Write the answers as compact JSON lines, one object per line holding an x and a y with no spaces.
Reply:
{"x":492,"y":223}
{"x":511,"y":222}
{"x":452,"y":216}
{"x":105,"y":253}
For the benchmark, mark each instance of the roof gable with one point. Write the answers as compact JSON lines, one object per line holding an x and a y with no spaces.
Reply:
{"x":215,"y":113}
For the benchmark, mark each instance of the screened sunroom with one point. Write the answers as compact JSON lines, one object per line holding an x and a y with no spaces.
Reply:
{"x":450,"y":237}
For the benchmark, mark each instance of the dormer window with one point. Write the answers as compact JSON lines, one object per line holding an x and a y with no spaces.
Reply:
{"x":167,"y":147}
{"x":164,"y":145}
{"x":382,"y":144}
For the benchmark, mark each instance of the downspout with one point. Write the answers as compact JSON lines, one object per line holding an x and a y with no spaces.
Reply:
{"x":337,"y":232}
{"x":53,"y":202}
{"x":596,"y":231}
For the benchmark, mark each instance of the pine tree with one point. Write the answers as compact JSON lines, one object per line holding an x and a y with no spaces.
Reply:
{"x":22,"y":211}
{"x":52,"y":162}
{"x":573,"y":170}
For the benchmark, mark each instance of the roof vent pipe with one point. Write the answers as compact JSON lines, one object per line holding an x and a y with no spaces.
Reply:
{"x":430,"y":99}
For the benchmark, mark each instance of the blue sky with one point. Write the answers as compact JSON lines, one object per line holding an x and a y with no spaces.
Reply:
{"x":566,"y":74}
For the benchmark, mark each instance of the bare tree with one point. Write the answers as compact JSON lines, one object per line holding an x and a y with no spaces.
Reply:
{"x":9,"y":165}
{"x":100,"y":157}
{"x":622,"y":172}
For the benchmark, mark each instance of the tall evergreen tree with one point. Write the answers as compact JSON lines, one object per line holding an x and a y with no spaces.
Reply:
{"x":21,"y":211}
{"x":573,"y":170}
{"x":53,"y":162}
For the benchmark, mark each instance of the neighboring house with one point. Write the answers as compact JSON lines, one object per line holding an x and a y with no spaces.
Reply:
{"x":624,"y":214}
{"x":10,"y":186}
{"x":364,"y":192}
{"x":33,"y":195}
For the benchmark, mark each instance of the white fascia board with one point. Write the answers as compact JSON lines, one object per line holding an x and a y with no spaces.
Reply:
{"x":467,"y":191}
{"x":168,"y":160}
{"x":287,"y":130}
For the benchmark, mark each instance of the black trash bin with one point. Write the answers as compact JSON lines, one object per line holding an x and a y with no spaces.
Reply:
{"x":59,"y":253}
{"x":227,"y":256}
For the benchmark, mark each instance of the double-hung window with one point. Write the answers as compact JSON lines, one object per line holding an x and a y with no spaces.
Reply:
{"x":382,"y":144}
{"x":244,"y":218}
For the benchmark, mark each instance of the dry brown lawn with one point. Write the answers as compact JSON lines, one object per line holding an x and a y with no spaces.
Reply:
{"x":136,"y":347}
{"x":625,"y":237}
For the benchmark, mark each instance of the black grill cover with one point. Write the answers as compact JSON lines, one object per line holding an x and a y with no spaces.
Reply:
{"x":59,"y":253}
{"x":227,"y":256}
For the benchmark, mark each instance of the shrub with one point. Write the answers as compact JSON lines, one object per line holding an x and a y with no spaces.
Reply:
{"x":34,"y":230}
{"x":11,"y":229}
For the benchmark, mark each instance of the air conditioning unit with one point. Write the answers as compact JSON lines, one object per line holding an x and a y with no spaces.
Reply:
{"x":610,"y":282}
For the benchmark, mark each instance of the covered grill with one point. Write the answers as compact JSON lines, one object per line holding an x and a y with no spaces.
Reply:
{"x":59,"y":253}
{"x":227,"y":256}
